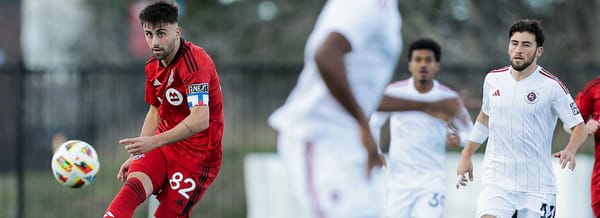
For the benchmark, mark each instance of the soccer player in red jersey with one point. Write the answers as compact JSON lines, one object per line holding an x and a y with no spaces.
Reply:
{"x":178,"y":153}
{"x":588,"y":101}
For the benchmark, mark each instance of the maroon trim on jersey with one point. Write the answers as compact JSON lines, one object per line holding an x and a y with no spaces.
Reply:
{"x":505,"y":68}
{"x":549,"y":75}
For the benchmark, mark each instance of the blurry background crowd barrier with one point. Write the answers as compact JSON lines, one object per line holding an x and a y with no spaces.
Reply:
{"x":75,"y":67}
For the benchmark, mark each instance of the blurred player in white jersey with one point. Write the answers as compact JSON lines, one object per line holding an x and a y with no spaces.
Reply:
{"x":416,"y":184}
{"x":324,"y":138}
{"x":520,"y":107}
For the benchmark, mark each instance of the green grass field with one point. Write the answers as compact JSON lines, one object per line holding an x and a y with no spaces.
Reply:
{"x":44,"y":197}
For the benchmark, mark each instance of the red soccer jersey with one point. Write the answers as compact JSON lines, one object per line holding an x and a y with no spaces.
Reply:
{"x":189,"y":80}
{"x":588,"y":101}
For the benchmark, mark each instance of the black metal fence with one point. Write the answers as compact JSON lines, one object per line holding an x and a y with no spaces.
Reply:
{"x":103,"y":104}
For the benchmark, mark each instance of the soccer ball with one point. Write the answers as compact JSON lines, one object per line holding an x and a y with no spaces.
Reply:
{"x":75,"y":164}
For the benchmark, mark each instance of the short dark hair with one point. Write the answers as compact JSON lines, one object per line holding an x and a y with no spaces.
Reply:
{"x":159,"y":13}
{"x":426,"y":43}
{"x":527,"y":25}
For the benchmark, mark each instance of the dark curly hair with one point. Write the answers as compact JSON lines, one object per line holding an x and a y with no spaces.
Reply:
{"x":428,"y":44}
{"x":532,"y":26}
{"x":158,"y":13}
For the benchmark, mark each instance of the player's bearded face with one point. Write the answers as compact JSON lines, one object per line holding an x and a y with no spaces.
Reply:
{"x":161,"y":52}
{"x":523,"y":50}
{"x":521,"y":63}
{"x":161,"y":39}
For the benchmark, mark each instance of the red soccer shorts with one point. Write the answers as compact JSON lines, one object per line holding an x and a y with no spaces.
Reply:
{"x":178,"y":183}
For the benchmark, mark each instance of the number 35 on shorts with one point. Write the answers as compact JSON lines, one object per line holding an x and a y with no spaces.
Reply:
{"x":182,"y":184}
{"x":437,"y":200}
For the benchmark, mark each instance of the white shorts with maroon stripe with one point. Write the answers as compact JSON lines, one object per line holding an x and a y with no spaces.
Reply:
{"x":328,"y":176}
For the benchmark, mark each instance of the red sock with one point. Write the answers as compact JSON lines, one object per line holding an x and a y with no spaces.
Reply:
{"x":130,"y":196}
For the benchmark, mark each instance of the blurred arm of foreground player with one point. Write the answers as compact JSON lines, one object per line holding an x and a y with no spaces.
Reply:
{"x":443,"y":109}
{"x":329,"y":58}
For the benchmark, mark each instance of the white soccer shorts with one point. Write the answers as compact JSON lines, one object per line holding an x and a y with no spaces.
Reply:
{"x":414,"y":203}
{"x":502,"y":203}
{"x":328,"y":176}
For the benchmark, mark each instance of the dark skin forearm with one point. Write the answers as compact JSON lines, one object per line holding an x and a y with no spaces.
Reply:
{"x":443,"y":109}
{"x":398,"y":104}
{"x":330,"y":62}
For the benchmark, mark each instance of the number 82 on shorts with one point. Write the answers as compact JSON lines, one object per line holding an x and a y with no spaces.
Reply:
{"x":181,"y":184}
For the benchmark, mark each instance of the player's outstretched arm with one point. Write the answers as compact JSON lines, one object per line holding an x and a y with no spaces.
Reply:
{"x":195,"y":122}
{"x":443,"y":109}
{"x":389,"y":103}
{"x":567,"y":155}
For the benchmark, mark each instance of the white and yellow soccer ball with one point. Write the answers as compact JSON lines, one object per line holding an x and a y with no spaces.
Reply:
{"x":75,"y":164}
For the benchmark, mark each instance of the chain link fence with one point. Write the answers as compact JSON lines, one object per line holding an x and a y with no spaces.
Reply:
{"x":103,"y":104}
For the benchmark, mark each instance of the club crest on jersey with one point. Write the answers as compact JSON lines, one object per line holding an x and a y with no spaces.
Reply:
{"x":574,"y":108}
{"x":531,"y":97}
{"x":174,"y":97}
